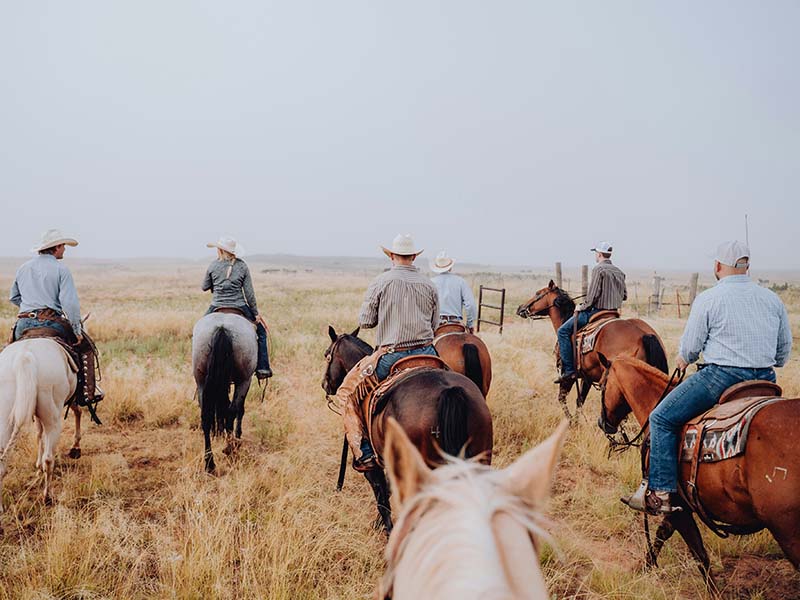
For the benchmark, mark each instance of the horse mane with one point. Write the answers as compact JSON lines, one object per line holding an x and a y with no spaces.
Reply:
{"x":360,"y":344}
{"x":457,"y":505}
{"x":564,"y":304}
{"x":641,"y":365}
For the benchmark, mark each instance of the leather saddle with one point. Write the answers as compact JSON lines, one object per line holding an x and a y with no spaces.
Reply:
{"x":586,"y":337}
{"x":230,"y":311}
{"x":449,"y":328}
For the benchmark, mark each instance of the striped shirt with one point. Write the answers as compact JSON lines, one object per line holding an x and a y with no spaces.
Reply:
{"x":44,"y":282}
{"x":454,"y":293}
{"x":607,"y":289}
{"x":230,"y":289}
{"x":737,"y":323}
{"x":404,"y":305}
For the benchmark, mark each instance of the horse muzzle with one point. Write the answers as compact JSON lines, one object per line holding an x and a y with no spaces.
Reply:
{"x":607,"y":428}
{"x":523,"y":312}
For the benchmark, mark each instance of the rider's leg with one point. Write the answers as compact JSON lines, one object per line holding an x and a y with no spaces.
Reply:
{"x":387,"y":360}
{"x":262,"y":365}
{"x":565,"y":347}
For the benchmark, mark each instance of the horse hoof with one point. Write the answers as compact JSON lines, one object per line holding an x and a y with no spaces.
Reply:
{"x":74,"y":452}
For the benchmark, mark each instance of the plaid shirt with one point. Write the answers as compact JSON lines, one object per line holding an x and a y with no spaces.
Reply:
{"x":404,"y":305}
{"x":738,"y":323}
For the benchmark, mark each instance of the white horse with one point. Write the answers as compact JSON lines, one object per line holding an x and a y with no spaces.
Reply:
{"x":36,"y":379}
{"x":466,"y":530}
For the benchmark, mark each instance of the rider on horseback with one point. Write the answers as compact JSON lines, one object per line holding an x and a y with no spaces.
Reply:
{"x":231,"y":287}
{"x":742,"y":330}
{"x":606,"y":291}
{"x":454,"y":293}
{"x":45,"y":293}
{"x":404,"y":306}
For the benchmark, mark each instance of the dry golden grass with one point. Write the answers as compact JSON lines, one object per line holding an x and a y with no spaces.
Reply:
{"x":136,"y":517}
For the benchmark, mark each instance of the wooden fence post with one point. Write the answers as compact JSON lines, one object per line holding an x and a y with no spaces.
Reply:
{"x":558,"y":274}
{"x":693,"y":287}
{"x":584,"y":279}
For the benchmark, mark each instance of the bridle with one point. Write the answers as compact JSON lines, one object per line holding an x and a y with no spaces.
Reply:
{"x":623,"y":444}
{"x":329,"y":356}
{"x":526,"y":313}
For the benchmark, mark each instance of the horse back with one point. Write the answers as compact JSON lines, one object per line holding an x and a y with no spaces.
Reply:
{"x":620,"y":337}
{"x":243,"y":339}
{"x":450,"y":348}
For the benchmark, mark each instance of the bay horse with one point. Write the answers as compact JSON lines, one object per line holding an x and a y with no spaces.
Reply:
{"x":224,"y":352}
{"x":36,"y":381}
{"x":632,"y":337}
{"x":440,"y":411}
{"x":465,"y":353}
{"x":466,"y":531}
{"x":737,"y":491}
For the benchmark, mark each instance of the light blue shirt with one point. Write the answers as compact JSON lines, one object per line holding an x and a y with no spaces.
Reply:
{"x":738,"y":323}
{"x":43,"y":282}
{"x":454,"y":293}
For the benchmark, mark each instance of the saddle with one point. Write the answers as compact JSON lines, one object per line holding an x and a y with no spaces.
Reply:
{"x":404,"y":368}
{"x":448,"y":328}
{"x":230,"y":310}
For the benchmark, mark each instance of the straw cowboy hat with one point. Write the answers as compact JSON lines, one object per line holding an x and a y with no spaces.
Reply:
{"x":228,"y":244}
{"x":402,"y":245}
{"x":442,"y":263}
{"x":52,"y":238}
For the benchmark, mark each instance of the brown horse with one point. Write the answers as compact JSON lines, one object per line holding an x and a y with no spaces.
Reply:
{"x":465,"y":353}
{"x":632,"y":337}
{"x":735,"y":491}
{"x":440,"y":411}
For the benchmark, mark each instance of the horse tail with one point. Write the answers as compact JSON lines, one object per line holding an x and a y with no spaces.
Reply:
{"x":216,"y":390}
{"x":472,"y":365}
{"x":24,"y":398}
{"x":451,"y":413}
{"x":654,"y":352}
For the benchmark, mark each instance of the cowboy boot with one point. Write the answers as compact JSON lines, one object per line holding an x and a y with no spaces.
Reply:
{"x":649,"y":501}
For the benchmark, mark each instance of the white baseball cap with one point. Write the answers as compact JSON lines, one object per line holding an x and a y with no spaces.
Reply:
{"x":604,"y":247}
{"x":733,"y":254}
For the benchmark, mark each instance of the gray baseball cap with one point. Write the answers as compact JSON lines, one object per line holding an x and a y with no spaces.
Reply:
{"x":733,"y":254}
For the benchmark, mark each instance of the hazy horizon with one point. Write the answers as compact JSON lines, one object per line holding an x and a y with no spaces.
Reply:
{"x":509,"y":134}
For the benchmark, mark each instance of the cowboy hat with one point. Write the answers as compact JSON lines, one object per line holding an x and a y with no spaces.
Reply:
{"x":402,"y":245}
{"x":228,"y":244}
{"x":52,"y":238}
{"x":442,"y":263}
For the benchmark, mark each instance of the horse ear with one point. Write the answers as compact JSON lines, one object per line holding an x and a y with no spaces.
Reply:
{"x":603,"y":360}
{"x":408,"y":473}
{"x":552,"y":284}
{"x":332,"y":333}
{"x":355,"y":331}
{"x":531,"y":475}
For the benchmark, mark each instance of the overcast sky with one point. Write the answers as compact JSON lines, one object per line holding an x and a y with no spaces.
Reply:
{"x":505,"y":132}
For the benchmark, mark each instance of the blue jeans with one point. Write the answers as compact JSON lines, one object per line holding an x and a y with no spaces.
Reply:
{"x":261,"y":335}
{"x":28,"y":323}
{"x":694,"y":396}
{"x":565,"y":339}
{"x":387,"y":360}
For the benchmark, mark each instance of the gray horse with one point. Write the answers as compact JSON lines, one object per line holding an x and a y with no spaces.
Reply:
{"x":224,"y":352}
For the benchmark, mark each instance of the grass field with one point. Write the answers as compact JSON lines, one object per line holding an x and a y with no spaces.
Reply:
{"x":136,"y":516}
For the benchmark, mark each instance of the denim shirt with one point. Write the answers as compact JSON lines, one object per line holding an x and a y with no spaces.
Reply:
{"x":453,"y":294}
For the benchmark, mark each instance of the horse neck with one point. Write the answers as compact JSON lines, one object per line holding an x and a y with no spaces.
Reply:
{"x":351,"y":354}
{"x":555,"y":317}
{"x":642,"y":390}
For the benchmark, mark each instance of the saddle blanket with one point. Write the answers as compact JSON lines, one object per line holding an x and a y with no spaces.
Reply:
{"x":724,"y":430}
{"x":588,"y":335}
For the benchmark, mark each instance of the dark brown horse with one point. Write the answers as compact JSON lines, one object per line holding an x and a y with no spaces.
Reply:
{"x":632,"y":337}
{"x":738,"y":491}
{"x":438,"y":409}
{"x":465,"y":353}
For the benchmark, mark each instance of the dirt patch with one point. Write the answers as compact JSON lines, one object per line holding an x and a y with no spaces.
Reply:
{"x":770,"y":578}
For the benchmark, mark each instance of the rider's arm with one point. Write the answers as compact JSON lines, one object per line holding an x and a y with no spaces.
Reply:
{"x":249,"y":292}
{"x":784,"y":339}
{"x":368,"y":317}
{"x":15,"y":297}
{"x":435,"y":313}
{"x":68,"y":297}
{"x":696,"y":332}
{"x":468,"y":300}
{"x":208,"y":283}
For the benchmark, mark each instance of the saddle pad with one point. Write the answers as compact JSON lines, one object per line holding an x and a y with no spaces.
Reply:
{"x":588,"y":335}
{"x":724,"y":427}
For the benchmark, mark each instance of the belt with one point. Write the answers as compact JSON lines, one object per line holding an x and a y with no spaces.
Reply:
{"x":390,"y":349}
{"x":449,"y":318}
{"x":34,"y":314}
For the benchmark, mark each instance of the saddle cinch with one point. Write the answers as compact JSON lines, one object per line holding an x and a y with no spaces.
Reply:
{"x":373,"y":404}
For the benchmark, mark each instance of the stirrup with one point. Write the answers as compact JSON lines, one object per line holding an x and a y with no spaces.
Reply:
{"x":636,"y":501}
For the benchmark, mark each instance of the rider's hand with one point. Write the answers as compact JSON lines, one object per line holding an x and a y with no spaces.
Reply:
{"x":680,"y":363}
{"x":79,"y":338}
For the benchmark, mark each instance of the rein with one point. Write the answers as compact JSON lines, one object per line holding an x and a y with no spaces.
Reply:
{"x":615,"y":445}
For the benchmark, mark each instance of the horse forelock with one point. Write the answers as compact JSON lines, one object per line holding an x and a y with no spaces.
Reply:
{"x":444,"y":543}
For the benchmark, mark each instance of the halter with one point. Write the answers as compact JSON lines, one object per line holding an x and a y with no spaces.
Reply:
{"x":617,"y":445}
{"x":330,"y":400}
{"x":525,"y":313}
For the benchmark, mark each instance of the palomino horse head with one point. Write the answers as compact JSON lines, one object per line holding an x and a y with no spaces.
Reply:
{"x":543,"y":300}
{"x":613,"y":405}
{"x":343,"y":353}
{"x":466,"y":530}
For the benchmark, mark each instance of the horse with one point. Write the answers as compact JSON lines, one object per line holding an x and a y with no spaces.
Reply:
{"x":735,"y":491}
{"x":224,"y":352}
{"x":465,"y":530}
{"x":440,"y":411}
{"x":36,"y":381}
{"x":465,"y":353}
{"x":633,"y":337}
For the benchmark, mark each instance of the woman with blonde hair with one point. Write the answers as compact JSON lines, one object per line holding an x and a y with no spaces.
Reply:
{"x":231,"y":286}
